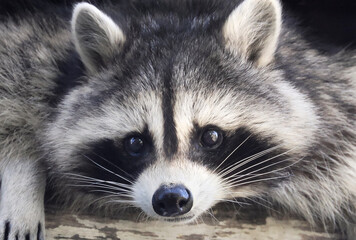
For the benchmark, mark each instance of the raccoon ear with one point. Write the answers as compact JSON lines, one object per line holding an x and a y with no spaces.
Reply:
{"x":96,"y":36}
{"x":252,"y":30}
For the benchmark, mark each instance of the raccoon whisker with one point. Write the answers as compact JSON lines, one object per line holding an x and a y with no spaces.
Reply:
{"x":110,"y":197}
{"x":264,"y":205}
{"x":117,"y":175}
{"x":95,"y":179}
{"x":241,"y":183}
{"x":121,"y":202}
{"x":233,"y":194}
{"x":264,"y":199}
{"x":231,"y":154}
{"x":113,"y":193}
{"x":199,"y":219}
{"x":233,"y":201}
{"x":273,"y":171}
{"x":142,"y":213}
{"x":261,"y":174}
{"x":147,"y":218}
{"x":112,"y":164}
{"x":261,"y":198}
{"x":265,"y":161}
{"x":239,"y":180}
{"x":101,"y":198}
{"x":86,"y":178}
{"x":108,"y":185}
{"x":259,"y":163}
{"x":93,"y":186}
{"x":93,"y":182}
{"x":210,"y":212}
{"x":123,"y":197}
{"x":233,"y":178}
{"x":100,"y":186}
{"x":246,"y":160}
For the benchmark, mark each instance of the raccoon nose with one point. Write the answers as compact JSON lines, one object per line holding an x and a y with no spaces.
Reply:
{"x":172,"y":200}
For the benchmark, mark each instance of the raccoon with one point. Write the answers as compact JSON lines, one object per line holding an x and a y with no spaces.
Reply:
{"x":171,"y":107}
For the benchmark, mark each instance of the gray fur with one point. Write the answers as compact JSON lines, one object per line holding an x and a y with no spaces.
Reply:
{"x":26,"y":79}
{"x":125,"y":80}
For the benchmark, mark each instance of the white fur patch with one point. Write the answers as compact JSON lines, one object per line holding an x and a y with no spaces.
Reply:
{"x":21,"y":199}
{"x":206,"y":188}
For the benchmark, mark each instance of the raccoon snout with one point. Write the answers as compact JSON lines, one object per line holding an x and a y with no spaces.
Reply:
{"x":172,"y":200}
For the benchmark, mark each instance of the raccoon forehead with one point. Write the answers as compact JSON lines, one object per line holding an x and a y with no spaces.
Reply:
{"x":112,"y":120}
{"x":292,"y":121}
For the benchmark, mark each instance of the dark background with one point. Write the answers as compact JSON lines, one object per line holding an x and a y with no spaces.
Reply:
{"x":325,"y":21}
{"x":331,"y":21}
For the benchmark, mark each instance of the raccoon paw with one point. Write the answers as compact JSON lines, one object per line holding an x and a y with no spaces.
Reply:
{"x":14,"y":228}
{"x":22,"y":201}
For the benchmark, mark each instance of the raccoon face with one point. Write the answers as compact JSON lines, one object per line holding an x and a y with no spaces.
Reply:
{"x":172,"y":123}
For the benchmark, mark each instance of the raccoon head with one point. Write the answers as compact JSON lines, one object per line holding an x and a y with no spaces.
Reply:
{"x":173,"y":118}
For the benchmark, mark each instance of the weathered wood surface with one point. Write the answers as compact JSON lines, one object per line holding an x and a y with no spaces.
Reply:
{"x":227,"y":224}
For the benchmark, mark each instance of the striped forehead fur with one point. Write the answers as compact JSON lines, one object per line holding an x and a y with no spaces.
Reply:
{"x":231,"y":110}
{"x":114,"y":120}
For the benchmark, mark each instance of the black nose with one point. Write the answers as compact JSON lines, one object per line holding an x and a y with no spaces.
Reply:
{"x":172,"y":200}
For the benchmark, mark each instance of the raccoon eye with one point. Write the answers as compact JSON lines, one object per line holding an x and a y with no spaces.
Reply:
{"x":135,"y":146}
{"x":211,"y":138}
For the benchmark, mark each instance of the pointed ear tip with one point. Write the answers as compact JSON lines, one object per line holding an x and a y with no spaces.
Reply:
{"x":80,"y":7}
{"x":77,"y":9}
{"x":275,"y":3}
{"x":278,"y":6}
{"x":251,"y":4}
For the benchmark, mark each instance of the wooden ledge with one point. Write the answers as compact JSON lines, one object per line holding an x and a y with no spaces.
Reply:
{"x":227,"y":224}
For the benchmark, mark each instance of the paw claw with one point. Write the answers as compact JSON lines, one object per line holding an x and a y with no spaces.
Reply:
{"x":39,"y":232}
{"x":7,"y":231}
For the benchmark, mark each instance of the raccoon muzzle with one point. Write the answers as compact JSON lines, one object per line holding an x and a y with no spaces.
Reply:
{"x":172,"y":200}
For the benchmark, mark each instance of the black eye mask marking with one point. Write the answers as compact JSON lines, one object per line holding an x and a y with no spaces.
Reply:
{"x":241,"y":157}
{"x":118,"y":161}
